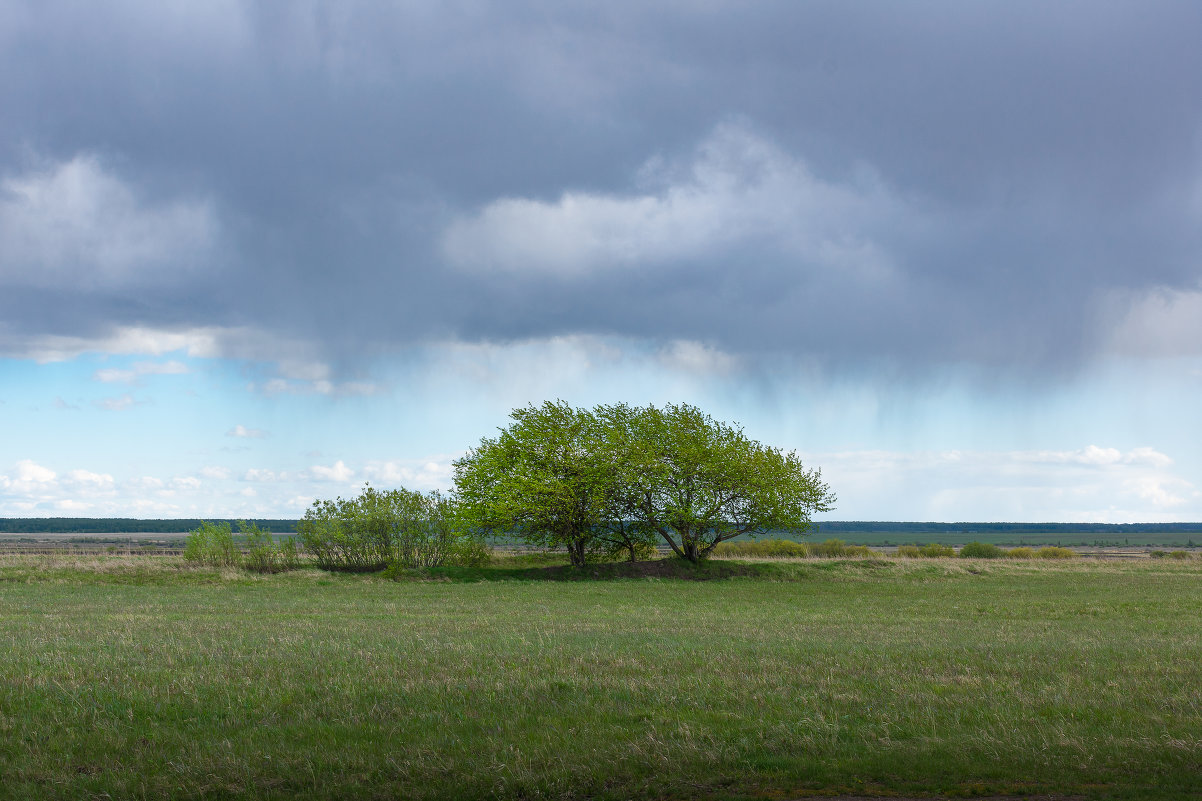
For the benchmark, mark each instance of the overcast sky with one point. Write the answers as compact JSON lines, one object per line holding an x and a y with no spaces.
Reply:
{"x":253,"y":254}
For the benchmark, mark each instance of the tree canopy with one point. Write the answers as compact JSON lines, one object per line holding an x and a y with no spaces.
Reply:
{"x":621,"y":477}
{"x":544,"y":478}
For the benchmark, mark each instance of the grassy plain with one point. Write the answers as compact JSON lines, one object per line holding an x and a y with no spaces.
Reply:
{"x":142,"y":677}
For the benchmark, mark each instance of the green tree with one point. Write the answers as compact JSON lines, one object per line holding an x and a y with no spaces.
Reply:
{"x":697,"y":482}
{"x":548,"y":478}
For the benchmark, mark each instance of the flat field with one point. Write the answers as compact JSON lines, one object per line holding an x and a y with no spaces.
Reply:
{"x":141,"y":677}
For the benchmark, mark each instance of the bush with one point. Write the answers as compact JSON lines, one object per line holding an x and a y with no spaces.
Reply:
{"x":858,"y":551}
{"x":830,"y":547}
{"x":377,"y":529}
{"x":1159,"y":554}
{"x":1179,"y":555}
{"x":908,"y":551}
{"x":264,"y":554}
{"x":763,"y":549}
{"x":1020,"y":553}
{"x":1054,"y":552}
{"x":935,"y":550}
{"x":981,"y":550}
{"x":212,"y":544}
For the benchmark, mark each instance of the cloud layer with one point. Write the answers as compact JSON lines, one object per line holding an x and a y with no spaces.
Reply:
{"x":943,"y":186}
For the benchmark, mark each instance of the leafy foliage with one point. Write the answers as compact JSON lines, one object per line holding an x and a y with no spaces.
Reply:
{"x":617,"y":478}
{"x":1054,"y":552}
{"x":697,"y":482}
{"x":981,"y":550}
{"x":379,"y":528}
{"x":264,"y":554}
{"x":212,"y":544}
{"x":548,"y":478}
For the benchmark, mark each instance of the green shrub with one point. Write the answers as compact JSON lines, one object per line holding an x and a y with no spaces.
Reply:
{"x":1159,"y":554}
{"x":1054,"y":552}
{"x":1020,"y":553}
{"x":908,"y":551}
{"x":830,"y":547}
{"x":858,"y":551}
{"x":763,"y":549}
{"x":936,"y":550}
{"x":263,"y":554}
{"x":471,"y":552}
{"x":377,"y":529}
{"x":1179,"y":555}
{"x":981,"y":550}
{"x":212,"y":544}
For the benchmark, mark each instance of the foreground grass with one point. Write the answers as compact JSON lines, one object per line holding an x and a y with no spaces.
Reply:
{"x":147,"y":678}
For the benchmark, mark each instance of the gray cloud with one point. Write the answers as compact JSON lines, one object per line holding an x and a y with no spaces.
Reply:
{"x":1005,"y":185}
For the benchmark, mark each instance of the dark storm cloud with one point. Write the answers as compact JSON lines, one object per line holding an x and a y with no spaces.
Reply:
{"x":968,"y":183}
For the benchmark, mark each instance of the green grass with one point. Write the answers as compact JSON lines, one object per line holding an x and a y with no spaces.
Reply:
{"x":141,"y":677}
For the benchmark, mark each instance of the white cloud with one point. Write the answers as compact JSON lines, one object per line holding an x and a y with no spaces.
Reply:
{"x":286,"y":386}
{"x":138,"y":370}
{"x":336,"y":472}
{"x":30,"y":472}
{"x":255,"y":474}
{"x":1091,"y":484}
{"x":85,"y":479}
{"x":1161,"y":322}
{"x":116,"y":404}
{"x":196,"y":342}
{"x":76,"y":222}
{"x":695,"y":357}
{"x":738,"y":189}
{"x":246,"y":433}
{"x":411,"y":474}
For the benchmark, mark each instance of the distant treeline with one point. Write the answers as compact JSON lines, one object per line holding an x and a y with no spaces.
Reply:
{"x":1111,"y":529}
{"x":130,"y":525}
{"x":123,"y":525}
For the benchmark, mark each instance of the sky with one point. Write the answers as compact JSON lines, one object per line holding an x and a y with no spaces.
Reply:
{"x":253,"y":254}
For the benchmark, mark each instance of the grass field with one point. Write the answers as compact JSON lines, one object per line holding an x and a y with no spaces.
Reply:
{"x":1067,"y":539}
{"x":145,"y":678}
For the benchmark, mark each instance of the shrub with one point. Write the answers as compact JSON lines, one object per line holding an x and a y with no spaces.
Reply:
{"x":1020,"y":553}
{"x":830,"y":547}
{"x":1159,"y":554}
{"x":1054,"y":552}
{"x":858,"y":551}
{"x":263,"y":554}
{"x":400,"y":527}
{"x":471,"y":552}
{"x":212,"y":544}
{"x":1179,"y":555}
{"x":981,"y":550}
{"x":935,"y":550}
{"x":909,"y":551}
{"x":763,"y":549}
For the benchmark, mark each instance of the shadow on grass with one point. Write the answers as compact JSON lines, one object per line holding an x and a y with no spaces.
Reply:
{"x":671,"y":568}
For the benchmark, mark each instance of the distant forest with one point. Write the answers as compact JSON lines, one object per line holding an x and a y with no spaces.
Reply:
{"x":1113,"y":529}
{"x":123,"y":525}
{"x":129,"y":525}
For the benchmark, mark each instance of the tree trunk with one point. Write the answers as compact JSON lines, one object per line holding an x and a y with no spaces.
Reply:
{"x":634,"y":557}
{"x":691,"y":552}
{"x":576,"y":553}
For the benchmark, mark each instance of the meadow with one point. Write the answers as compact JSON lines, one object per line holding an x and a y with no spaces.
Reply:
{"x":145,"y":677}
